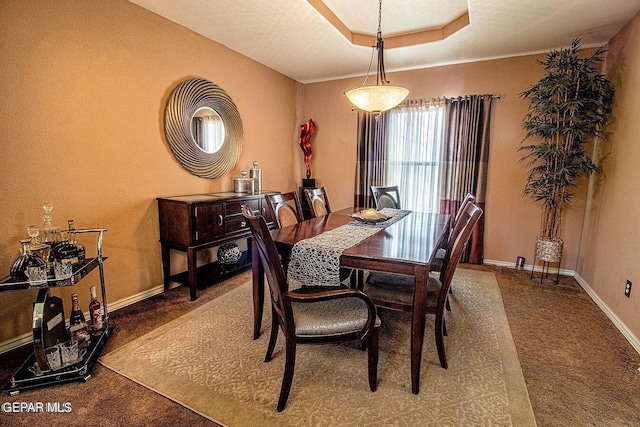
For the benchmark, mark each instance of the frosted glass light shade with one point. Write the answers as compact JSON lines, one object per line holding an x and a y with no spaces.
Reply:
{"x":376,"y":98}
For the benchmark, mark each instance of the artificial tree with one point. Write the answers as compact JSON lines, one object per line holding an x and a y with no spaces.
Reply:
{"x":568,"y":110}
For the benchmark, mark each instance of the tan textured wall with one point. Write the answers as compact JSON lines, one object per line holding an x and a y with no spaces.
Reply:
{"x":512,"y":222}
{"x":84,"y":86}
{"x":611,"y":245}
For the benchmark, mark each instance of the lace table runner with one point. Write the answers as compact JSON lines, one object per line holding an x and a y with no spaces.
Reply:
{"x":316,"y":261}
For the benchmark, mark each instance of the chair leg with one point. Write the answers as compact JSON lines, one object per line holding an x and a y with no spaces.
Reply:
{"x":444,"y":327}
{"x":273,"y":337}
{"x":447,"y":305}
{"x":374,"y":340}
{"x":287,"y":379}
{"x":439,"y":330}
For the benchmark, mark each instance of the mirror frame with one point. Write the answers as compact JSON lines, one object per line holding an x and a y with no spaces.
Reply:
{"x":185,"y":99}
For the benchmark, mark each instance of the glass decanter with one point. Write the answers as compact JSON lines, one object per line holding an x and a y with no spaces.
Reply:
{"x":28,"y":266}
{"x":40,"y":249}
{"x":49,"y":232}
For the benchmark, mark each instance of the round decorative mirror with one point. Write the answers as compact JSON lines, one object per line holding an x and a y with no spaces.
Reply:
{"x":203,"y":128}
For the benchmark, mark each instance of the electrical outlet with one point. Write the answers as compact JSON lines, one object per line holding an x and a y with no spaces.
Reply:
{"x":627,"y":289}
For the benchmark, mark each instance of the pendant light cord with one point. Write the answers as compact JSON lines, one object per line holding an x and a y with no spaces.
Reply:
{"x":381,"y":76}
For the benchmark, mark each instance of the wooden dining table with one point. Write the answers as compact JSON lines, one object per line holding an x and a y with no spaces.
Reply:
{"x":405,"y":247}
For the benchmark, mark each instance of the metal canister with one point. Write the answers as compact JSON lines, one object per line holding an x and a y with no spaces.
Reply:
{"x":244,"y":184}
{"x":256,"y":174}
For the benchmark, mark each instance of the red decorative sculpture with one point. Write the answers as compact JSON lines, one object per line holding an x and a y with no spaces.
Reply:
{"x":306,"y":131}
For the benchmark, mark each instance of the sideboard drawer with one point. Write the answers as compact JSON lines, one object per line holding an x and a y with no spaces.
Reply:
{"x":236,"y":224}
{"x":235,"y":207}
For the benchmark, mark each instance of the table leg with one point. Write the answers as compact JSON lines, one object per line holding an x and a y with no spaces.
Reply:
{"x":417,"y":325}
{"x":166,"y":265}
{"x":258,"y":289}
{"x":193,"y":272}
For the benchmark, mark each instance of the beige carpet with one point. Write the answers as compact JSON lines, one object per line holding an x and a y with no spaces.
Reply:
{"x":207,"y":361}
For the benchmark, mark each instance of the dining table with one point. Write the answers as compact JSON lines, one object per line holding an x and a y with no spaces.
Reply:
{"x":406,"y":246}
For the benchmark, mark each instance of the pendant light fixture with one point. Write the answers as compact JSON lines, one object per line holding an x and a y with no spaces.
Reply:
{"x":382,"y":96}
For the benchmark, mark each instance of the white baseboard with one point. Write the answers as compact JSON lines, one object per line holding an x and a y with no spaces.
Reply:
{"x":27,"y":338}
{"x":633,"y":340}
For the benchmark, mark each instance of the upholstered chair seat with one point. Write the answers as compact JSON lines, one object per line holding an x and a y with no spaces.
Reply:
{"x":333,"y":317}
{"x":397,"y":288}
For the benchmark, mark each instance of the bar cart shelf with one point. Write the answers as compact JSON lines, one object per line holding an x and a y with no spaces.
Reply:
{"x":29,"y":375}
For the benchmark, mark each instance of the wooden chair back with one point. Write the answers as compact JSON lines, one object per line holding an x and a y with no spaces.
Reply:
{"x":453,"y":230}
{"x":272,"y":266}
{"x":386,"y":197}
{"x":285,"y":208}
{"x":469,"y":198}
{"x":460,"y":235}
{"x":318,"y":201}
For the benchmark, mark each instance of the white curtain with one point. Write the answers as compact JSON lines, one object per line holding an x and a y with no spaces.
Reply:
{"x":414,"y":153}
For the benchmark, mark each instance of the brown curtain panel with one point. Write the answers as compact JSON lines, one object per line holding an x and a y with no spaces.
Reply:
{"x":372,"y":157}
{"x":466,"y":157}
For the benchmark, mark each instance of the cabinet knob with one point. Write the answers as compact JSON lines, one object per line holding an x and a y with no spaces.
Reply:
{"x":243,"y":224}
{"x":220,"y":220}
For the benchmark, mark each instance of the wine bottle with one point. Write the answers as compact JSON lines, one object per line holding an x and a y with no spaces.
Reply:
{"x":78,"y":328}
{"x":95,"y":311}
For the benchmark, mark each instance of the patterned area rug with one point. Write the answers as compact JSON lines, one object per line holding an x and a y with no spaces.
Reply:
{"x":207,"y":361}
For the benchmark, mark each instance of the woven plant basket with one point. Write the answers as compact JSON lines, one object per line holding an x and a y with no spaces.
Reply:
{"x":548,"y":249}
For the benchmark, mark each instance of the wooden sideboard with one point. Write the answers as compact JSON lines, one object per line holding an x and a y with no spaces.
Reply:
{"x":196,"y":222}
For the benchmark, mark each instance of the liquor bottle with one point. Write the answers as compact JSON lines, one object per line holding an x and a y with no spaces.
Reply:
{"x":78,"y":328}
{"x":64,"y":252}
{"x":73,"y":239}
{"x":95,"y":311}
{"x":28,"y":266}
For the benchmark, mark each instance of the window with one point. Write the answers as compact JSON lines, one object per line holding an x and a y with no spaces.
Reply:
{"x":414,"y":155}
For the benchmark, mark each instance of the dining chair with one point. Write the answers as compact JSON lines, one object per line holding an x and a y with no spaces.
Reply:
{"x":438,"y":260}
{"x":312,"y":314}
{"x":285,"y":208}
{"x":386,"y":197}
{"x":318,"y":201}
{"x":395,"y":291}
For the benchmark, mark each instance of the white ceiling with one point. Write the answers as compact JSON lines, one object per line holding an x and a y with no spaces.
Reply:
{"x":292,"y":37}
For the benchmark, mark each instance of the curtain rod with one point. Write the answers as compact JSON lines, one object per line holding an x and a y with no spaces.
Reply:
{"x":440,"y":100}
{"x":456,"y":98}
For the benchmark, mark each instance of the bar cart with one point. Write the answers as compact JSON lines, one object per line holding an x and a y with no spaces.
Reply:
{"x":46,"y":321}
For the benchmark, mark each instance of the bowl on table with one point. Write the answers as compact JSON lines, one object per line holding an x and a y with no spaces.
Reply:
{"x":369,"y":216}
